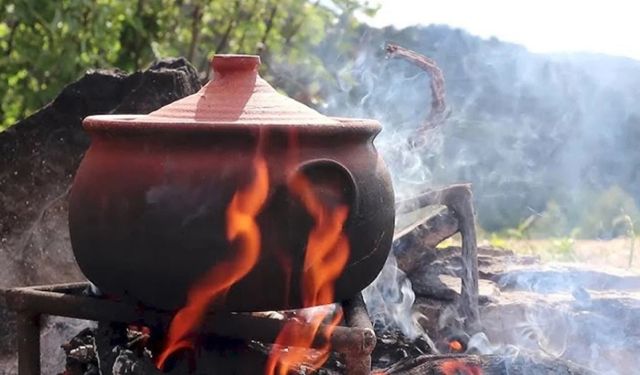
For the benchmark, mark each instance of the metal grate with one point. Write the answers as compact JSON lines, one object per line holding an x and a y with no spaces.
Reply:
{"x":356,"y":340}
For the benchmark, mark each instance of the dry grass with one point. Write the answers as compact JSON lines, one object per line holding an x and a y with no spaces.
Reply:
{"x":613,"y":253}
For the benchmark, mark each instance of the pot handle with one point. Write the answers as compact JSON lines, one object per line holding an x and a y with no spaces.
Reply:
{"x":331,"y":180}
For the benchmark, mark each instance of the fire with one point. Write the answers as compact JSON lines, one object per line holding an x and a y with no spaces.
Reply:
{"x":326,"y":255}
{"x":243,"y":232}
{"x":455,"y":346}
{"x":456,"y":367}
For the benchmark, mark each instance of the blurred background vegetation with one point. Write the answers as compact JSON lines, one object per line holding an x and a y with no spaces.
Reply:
{"x":550,"y":142}
{"x":47,"y":44}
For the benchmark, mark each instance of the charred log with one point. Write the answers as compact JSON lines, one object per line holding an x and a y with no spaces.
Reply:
{"x":416,"y":244}
{"x":458,"y":199}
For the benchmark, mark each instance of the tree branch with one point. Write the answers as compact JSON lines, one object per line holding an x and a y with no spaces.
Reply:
{"x":196,"y":20}
{"x":437,"y":115}
{"x":12,"y":33}
{"x":245,"y":29}
{"x":269,"y":24}
{"x":225,"y":37}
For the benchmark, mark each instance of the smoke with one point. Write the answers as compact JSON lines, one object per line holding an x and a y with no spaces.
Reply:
{"x":390,"y":299}
{"x":531,"y":133}
{"x":574,"y":312}
{"x":524,"y":129}
{"x":370,"y":86}
{"x":398,"y":96}
{"x":367,"y":85}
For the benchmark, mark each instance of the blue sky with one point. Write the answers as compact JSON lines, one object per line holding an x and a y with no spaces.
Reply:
{"x":610,"y":27}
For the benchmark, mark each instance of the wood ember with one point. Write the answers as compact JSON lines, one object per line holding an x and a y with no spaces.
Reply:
{"x":110,"y":349}
{"x":123,"y":349}
{"x":220,"y":355}
{"x":334,"y":365}
{"x":81,"y":355}
{"x":392,"y":347}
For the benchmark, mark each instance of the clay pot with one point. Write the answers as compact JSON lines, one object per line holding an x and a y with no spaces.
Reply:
{"x":148,"y":203}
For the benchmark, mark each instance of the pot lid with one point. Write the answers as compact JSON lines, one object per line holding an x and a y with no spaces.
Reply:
{"x":237,"y":94}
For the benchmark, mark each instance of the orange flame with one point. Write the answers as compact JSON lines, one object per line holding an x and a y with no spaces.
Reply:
{"x":456,"y":367}
{"x":325,"y":257}
{"x":243,"y":231}
{"x":455,"y":346}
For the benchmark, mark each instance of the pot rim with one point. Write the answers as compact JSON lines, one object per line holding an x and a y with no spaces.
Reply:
{"x":149,"y":123}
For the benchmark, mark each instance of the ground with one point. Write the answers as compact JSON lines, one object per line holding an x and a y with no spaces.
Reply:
{"x":611,"y":253}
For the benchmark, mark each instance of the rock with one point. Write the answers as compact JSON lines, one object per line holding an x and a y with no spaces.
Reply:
{"x":553,"y":278}
{"x":574,"y":312}
{"x":487,"y":364}
{"x":39,"y":156}
{"x":436,"y":275}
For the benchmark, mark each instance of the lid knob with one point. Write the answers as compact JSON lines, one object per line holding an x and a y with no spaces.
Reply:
{"x":235,"y":63}
{"x":237,"y":94}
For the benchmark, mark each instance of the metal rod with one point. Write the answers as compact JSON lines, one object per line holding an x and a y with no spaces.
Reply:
{"x":358,"y":364}
{"x":358,"y":361}
{"x":231,"y":325}
{"x":248,"y":327}
{"x":77,"y":287}
{"x":356,"y":342}
{"x":355,"y":312}
{"x":28,"y":325}
{"x":76,"y":306}
{"x":356,"y":316}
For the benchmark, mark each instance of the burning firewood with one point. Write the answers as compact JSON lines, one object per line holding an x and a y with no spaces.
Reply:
{"x":458,"y":199}
{"x":81,"y":354}
{"x":419,"y":236}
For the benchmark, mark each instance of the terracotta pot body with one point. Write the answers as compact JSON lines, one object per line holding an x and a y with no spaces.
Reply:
{"x":149,"y":201}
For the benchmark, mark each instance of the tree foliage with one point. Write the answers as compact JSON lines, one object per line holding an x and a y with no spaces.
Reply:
{"x":47,"y":44}
{"x":612,"y":213}
{"x":544,"y":136}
